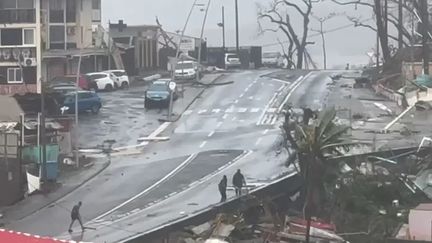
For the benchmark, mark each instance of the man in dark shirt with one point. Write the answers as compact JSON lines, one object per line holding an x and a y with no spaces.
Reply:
{"x":75,"y":215}
{"x":238,"y":182}
{"x":222,"y":188}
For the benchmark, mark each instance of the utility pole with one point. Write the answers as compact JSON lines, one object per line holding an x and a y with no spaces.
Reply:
{"x":377,"y":50}
{"x":237,"y":28}
{"x":223,"y":27}
{"x":400,"y":24}
{"x":173,"y":67}
{"x":43,"y":134}
{"x":425,"y":34}
{"x":201,"y":43}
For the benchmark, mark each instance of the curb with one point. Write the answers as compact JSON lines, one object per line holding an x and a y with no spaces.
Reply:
{"x":106,"y":164}
{"x":196,"y":97}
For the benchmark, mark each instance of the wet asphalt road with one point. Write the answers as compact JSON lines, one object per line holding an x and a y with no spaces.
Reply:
{"x":219,"y":127}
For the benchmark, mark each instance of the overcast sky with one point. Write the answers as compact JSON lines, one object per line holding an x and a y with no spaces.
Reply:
{"x":348,"y":45}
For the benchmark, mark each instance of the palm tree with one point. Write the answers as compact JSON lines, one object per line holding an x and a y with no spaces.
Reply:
{"x":315,"y":143}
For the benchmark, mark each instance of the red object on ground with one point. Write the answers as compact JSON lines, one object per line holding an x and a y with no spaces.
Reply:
{"x":8,"y":236}
{"x":320,"y":224}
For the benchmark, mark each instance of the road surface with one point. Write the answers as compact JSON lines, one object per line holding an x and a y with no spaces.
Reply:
{"x":230,"y":127}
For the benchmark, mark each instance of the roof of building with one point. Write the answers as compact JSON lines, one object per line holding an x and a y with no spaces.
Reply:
{"x":134,"y":30}
{"x":424,"y":207}
{"x":74,"y":53}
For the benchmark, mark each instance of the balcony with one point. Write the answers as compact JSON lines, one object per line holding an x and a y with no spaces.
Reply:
{"x":57,"y":16}
{"x":14,"y":16}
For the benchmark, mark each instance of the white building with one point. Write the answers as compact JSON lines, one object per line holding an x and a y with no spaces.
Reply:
{"x":42,"y":39}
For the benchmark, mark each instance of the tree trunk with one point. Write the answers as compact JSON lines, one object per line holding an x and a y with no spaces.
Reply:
{"x":400,"y":25}
{"x":382,"y":32}
{"x":300,"y":53}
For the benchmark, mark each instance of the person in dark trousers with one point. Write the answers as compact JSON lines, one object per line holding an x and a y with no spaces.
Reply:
{"x":223,"y":188}
{"x":75,"y":215}
{"x":307,"y":115}
{"x":238,"y":182}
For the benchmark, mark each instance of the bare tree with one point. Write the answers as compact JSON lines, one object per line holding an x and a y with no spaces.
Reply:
{"x":278,"y":14}
{"x":386,"y":12}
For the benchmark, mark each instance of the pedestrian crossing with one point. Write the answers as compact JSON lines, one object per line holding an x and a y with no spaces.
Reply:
{"x":270,"y":115}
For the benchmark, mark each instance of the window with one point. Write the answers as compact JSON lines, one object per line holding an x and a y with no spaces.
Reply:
{"x":96,"y":4}
{"x":5,"y":4}
{"x":11,"y":37}
{"x":28,"y":37}
{"x":14,"y":75}
{"x":25,"y":4}
{"x":57,"y":37}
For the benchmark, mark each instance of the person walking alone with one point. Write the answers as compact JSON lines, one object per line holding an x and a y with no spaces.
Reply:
{"x":223,"y":188}
{"x":75,"y":215}
{"x":238,"y":182}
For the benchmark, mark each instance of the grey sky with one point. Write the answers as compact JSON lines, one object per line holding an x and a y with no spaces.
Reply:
{"x":347,"y":45}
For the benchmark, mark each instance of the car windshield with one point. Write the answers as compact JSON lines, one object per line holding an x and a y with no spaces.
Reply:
{"x":158,"y":87}
{"x":270,"y":55}
{"x":119,"y":73}
{"x":184,"y":65}
{"x":232,"y":56}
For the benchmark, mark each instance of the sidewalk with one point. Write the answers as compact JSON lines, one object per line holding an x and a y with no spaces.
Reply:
{"x":67,"y":184}
{"x":362,"y":103}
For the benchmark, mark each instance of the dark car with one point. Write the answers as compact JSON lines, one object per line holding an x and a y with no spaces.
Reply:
{"x":158,"y":94}
{"x":87,"y":101}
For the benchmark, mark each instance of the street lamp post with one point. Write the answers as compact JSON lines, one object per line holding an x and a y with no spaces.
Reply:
{"x":237,"y":28}
{"x":173,"y":67}
{"x":78,"y":74}
{"x":201,"y":38}
{"x":222,"y":25}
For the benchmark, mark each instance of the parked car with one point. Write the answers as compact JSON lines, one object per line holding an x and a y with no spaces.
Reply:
{"x":232,"y":61}
{"x":87,"y":101}
{"x":64,"y":89}
{"x":159,"y":94}
{"x":272,"y":59}
{"x":121,"y":78}
{"x":84,"y":81}
{"x":103,"y":81}
{"x":186,"y":70}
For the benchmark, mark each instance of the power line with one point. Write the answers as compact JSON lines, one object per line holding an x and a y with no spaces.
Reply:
{"x":317,"y":34}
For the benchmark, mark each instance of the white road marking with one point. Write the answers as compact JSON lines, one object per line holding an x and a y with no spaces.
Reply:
{"x":292,"y":88}
{"x":216,"y":110}
{"x":246,"y":89}
{"x":236,"y":101}
{"x":265,"y":109}
{"x":234,"y":118}
{"x":203,"y":144}
{"x":211,"y":133}
{"x":250,"y":97}
{"x":281,"y":88}
{"x":242,"y":110}
{"x":188,"y":112}
{"x":273,"y":121}
{"x":230,"y":110}
{"x":255,"y":110}
{"x":225,"y":116}
{"x":219,"y":124}
{"x":258,"y":141}
{"x":202,"y":111}
{"x":184,"y":163}
{"x":271,"y":110}
{"x":241,"y":95}
{"x":265,"y":132}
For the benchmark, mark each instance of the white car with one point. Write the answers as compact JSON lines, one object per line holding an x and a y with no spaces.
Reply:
{"x":121,"y":78}
{"x":272,"y":59}
{"x":186,"y":70}
{"x":104,"y":81}
{"x":232,"y":61}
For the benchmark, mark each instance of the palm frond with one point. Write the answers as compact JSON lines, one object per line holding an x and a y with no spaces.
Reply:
{"x":325,"y":118}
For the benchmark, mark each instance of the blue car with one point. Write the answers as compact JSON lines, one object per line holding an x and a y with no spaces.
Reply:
{"x":87,"y":101}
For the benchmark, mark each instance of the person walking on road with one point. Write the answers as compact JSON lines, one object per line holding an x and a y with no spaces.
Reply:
{"x":238,"y":182}
{"x":75,"y":215}
{"x":223,"y":188}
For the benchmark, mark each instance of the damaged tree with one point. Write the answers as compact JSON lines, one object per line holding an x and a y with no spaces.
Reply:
{"x":315,"y":143}
{"x":278,"y":14}
{"x":383,"y":16}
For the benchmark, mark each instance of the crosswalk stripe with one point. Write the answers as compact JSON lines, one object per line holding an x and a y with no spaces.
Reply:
{"x":216,"y":110}
{"x":202,"y":111}
{"x":242,"y":110}
{"x":255,"y":110}
{"x":188,"y":112}
{"x":229,"y":110}
{"x":272,"y":110}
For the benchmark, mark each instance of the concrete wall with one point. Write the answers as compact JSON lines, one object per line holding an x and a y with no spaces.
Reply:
{"x":412,"y":69}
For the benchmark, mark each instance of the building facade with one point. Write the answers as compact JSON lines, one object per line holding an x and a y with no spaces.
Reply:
{"x":43,"y":39}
